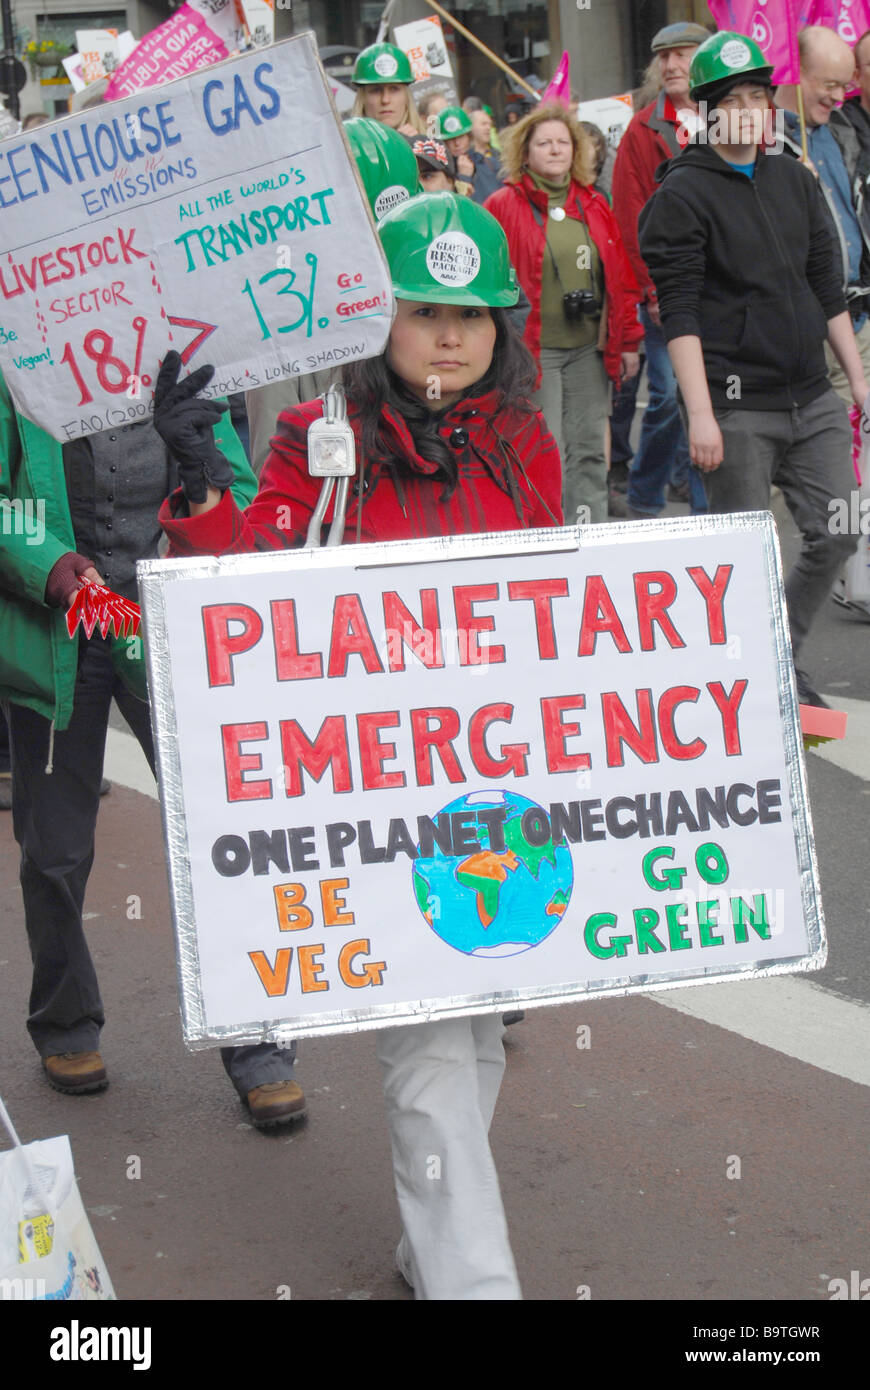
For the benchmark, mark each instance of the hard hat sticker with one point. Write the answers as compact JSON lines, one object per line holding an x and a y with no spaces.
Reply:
{"x":390,"y":198}
{"x":452,"y":123}
{"x":735,"y":53}
{"x":453,"y":259}
{"x":386,"y":65}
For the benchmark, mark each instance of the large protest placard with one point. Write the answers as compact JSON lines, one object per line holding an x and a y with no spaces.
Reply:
{"x":426,"y":48}
{"x":431,"y":778}
{"x":611,"y":114}
{"x":182,"y":44}
{"x":220,"y":215}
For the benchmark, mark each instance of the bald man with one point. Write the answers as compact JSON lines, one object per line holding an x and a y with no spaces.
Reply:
{"x":827,"y":71}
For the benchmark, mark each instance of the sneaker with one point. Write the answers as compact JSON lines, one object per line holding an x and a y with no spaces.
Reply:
{"x":76,"y":1073}
{"x":806,"y":694}
{"x":276,"y":1103}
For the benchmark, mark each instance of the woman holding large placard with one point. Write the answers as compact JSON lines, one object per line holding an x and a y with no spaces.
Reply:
{"x":447,"y":443}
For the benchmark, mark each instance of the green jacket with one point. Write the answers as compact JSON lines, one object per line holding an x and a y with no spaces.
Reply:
{"x":37,"y":659}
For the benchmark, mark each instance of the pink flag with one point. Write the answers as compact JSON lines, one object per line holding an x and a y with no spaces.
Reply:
{"x":850,"y":18}
{"x":771,"y":23}
{"x":185,"y":42}
{"x":560,"y":84}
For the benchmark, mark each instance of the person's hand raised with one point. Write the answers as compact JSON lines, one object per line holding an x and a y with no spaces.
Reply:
{"x":186,"y":423}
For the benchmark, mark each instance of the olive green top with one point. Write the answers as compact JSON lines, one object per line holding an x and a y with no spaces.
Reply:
{"x":579,"y":265}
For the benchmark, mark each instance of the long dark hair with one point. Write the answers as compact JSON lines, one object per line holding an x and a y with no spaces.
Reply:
{"x":372,"y":384}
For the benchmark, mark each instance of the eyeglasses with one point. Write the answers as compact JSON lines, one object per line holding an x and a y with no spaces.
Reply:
{"x":833,"y":87}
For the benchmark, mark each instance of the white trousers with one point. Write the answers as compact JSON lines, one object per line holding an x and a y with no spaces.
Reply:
{"x":441,"y":1083}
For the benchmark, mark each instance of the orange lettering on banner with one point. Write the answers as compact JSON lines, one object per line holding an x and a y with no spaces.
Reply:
{"x":310,"y":967}
{"x":289,"y":900}
{"x":332,"y":892}
{"x":371,"y":972}
{"x":273,"y":979}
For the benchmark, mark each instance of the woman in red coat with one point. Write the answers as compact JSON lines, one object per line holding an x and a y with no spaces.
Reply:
{"x":447,"y":443}
{"x":568,"y":254}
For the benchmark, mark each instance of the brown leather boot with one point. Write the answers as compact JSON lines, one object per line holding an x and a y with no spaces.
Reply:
{"x":276,"y":1103}
{"x":76,"y":1073}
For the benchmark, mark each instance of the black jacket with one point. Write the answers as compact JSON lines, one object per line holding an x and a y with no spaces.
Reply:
{"x":751,"y":268}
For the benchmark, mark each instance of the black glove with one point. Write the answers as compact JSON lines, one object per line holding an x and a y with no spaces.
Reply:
{"x":186,"y":425}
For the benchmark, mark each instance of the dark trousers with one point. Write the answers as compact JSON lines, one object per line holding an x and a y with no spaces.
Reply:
{"x":806,"y":452}
{"x":54,"y":819}
{"x":663,"y":451}
{"x":5,"y":763}
{"x":622,"y":417}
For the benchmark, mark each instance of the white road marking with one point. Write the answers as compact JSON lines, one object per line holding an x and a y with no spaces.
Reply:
{"x":791,"y":1015}
{"x":127,"y":765}
{"x":851,"y":753}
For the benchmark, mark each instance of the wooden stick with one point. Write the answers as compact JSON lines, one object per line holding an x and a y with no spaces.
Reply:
{"x":803,"y":124}
{"x":483,"y":48}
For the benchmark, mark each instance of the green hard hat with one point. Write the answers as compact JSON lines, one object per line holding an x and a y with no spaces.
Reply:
{"x":451,"y":123}
{"x":385,"y":161}
{"x":445,"y":249}
{"x":380,"y":64}
{"x":128,"y":658}
{"x":723,"y":60}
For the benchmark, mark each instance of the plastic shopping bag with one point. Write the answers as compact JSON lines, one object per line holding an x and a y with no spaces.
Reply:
{"x":857,"y":571}
{"x":47,"y":1247}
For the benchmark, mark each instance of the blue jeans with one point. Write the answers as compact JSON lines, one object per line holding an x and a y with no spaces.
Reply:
{"x":663,"y":450}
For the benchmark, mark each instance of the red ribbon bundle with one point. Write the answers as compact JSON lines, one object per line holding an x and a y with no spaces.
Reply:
{"x":95,"y":605}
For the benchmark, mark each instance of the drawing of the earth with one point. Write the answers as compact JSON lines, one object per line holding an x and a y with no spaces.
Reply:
{"x":496,"y":901}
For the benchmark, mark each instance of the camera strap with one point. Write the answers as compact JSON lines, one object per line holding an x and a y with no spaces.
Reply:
{"x":536,"y":213}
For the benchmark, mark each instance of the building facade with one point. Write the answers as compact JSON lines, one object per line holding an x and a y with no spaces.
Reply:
{"x":608,"y":40}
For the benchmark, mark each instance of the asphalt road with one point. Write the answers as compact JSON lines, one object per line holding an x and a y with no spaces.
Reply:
{"x":614,"y":1160}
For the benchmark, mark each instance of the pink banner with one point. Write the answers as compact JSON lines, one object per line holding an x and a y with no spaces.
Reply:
{"x":771,"y":23}
{"x":560,"y":83}
{"x":185,"y":42}
{"x":850,"y":18}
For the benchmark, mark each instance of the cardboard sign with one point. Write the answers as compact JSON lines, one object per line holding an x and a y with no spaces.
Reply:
{"x":426,"y":48}
{"x":610,"y":114}
{"x":221,"y":215}
{"x":99,"y":50}
{"x":8,"y":124}
{"x":225,"y":18}
{"x":433,"y":778}
{"x":260,"y":19}
{"x":178,"y":47}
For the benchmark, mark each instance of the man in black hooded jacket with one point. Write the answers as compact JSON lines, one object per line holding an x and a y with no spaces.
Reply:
{"x":740,"y":250}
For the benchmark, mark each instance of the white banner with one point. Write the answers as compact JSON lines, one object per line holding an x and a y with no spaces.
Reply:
{"x":426,"y":48}
{"x":443,"y":777}
{"x":219,"y":215}
{"x":610,"y":114}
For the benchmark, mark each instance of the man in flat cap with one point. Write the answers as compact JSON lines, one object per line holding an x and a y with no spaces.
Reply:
{"x":656,"y":133}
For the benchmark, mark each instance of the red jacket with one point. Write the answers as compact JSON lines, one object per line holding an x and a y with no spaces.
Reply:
{"x":526,"y":240}
{"x":510,"y":478}
{"x":650,"y":138}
